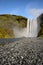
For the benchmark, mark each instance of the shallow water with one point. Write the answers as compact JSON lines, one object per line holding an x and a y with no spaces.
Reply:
{"x":8,"y":40}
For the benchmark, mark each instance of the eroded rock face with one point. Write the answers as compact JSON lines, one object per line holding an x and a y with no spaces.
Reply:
{"x":41,"y":26}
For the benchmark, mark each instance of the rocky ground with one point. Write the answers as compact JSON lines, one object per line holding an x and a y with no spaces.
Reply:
{"x":26,"y":51}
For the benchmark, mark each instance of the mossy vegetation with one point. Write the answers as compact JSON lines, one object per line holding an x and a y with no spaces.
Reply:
{"x":7,"y":22}
{"x":6,"y":33}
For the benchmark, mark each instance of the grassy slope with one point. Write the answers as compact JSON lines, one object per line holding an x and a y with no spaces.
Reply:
{"x":7,"y":22}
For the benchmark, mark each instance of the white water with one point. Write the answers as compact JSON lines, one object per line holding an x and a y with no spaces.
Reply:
{"x":32,"y":28}
{"x":30,"y":31}
{"x":28,"y":28}
{"x":20,"y":32}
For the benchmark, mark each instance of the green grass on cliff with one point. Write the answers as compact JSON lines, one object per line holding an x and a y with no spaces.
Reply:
{"x":12,"y":20}
{"x":7,"y":22}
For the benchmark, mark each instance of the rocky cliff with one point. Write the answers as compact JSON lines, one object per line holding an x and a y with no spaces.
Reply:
{"x":41,"y":26}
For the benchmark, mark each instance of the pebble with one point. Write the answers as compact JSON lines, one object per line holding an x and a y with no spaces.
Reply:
{"x":22,"y":54}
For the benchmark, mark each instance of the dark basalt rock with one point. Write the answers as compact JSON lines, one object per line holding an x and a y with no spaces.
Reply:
{"x":41,"y":25}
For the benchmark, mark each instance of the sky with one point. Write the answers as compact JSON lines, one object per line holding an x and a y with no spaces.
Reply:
{"x":27,"y":8}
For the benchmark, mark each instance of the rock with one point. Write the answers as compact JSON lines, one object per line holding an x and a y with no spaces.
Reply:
{"x":30,"y":53}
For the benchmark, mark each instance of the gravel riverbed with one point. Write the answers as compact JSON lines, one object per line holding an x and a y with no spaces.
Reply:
{"x":25,"y":51}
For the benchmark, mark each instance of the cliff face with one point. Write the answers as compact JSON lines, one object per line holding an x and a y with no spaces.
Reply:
{"x":41,"y":26}
{"x":12,"y":26}
{"x":8,"y":22}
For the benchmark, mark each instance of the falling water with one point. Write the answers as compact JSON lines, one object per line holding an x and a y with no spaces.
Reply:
{"x":30,"y":31}
{"x":28,"y":27}
{"x":32,"y":28}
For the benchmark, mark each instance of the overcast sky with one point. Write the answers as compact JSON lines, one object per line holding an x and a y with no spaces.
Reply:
{"x":27,"y":8}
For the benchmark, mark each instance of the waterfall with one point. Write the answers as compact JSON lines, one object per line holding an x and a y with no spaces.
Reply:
{"x":30,"y":31}
{"x":35,"y":25}
{"x":32,"y":28}
{"x":29,"y":28}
